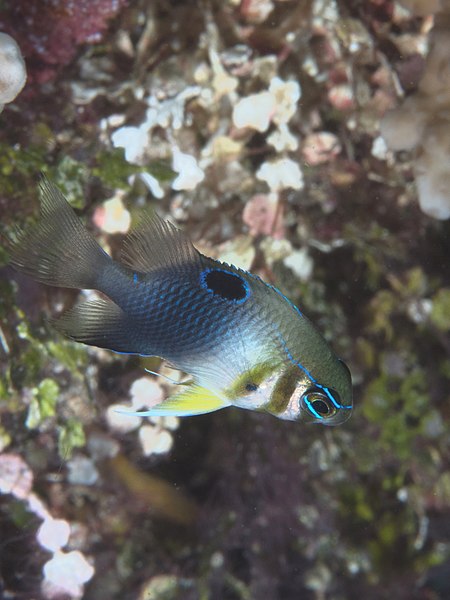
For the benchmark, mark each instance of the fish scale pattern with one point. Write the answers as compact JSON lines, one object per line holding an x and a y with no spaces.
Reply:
{"x":171,"y":315}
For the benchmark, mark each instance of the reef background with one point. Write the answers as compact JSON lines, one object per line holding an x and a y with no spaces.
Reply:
{"x":232,"y":505}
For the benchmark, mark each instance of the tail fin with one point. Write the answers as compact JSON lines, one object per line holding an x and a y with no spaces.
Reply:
{"x":58,"y":250}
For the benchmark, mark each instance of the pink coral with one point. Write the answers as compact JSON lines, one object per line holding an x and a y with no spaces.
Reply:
{"x":16,"y":477}
{"x":321,"y":147}
{"x":263,"y":217}
{"x":49,"y":31}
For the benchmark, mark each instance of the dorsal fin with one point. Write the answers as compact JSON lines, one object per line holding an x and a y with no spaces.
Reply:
{"x":155,"y":244}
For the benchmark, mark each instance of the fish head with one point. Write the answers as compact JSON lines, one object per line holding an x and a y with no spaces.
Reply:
{"x":299,"y":397}
{"x":293,"y":394}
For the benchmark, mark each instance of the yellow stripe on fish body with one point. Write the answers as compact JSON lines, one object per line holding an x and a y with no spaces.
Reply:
{"x":240,"y":339}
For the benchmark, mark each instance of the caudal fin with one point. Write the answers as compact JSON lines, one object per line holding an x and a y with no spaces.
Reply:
{"x":58,"y":250}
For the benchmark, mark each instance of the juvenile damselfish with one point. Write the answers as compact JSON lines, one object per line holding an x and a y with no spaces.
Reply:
{"x":242,"y":341}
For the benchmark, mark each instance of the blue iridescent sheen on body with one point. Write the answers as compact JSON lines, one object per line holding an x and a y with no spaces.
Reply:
{"x":277,"y":291}
{"x":171,"y":318}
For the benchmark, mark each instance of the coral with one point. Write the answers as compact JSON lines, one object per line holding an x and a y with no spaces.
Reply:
{"x":263,"y":217}
{"x":254,"y":111}
{"x":154,"y":440}
{"x":12,"y":70}
{"x":189,"y":173}
{"x":49,"y":32}
{"x":155,"y":433}
{"x":320,"y":148}
{"x":112,"y":216}
{"x":278,"y":104}
{"x":64,"y":573}
{"x":281,"y":174}
{"x":421,"y":123}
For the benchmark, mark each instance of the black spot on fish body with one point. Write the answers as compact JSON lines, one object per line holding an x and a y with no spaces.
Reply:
{"x":225,"y":284}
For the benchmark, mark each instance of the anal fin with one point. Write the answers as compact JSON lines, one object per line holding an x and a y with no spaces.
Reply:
{"x":195,"y":400}
{"x":100,"y":323}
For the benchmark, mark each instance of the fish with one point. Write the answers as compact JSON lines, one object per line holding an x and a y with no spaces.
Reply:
{"x":241,"y":340}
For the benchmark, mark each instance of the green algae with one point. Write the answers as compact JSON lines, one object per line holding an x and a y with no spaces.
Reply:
{"x":440,"y":313}
{"x":19,"y":165}
{"x":71,"y":177}
{"x":70,"y":436}
{"x":43,"y":403}
{"x":72,"y":356}
{"x":398,"y":406}
{"x":114,"y":171}
{"x":166,"y":587}
{"x":5,"y":438}
{"x":111,"y":167}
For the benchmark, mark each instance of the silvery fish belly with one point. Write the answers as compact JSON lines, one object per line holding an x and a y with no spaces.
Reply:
{"x":241,"y":340}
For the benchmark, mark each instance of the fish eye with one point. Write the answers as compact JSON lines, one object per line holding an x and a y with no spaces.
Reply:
{"x":318,"y":403}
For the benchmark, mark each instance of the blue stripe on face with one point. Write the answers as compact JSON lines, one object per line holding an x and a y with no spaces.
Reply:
{"x":336,"y":404}
{"x":331,"y":397}
{"x":311,"y":409}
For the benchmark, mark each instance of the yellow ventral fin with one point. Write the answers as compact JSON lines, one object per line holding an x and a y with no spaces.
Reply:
{"x":195,"y":400}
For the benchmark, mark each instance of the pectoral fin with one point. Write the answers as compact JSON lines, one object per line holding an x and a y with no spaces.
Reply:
{"x":195,"y":400}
